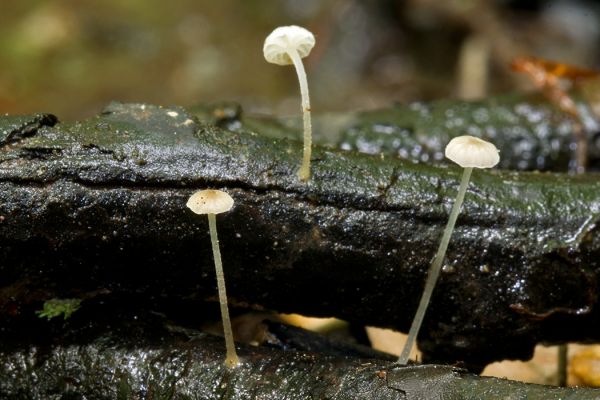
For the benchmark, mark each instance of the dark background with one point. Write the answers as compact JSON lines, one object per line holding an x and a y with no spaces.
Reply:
{"x":71,"y":57}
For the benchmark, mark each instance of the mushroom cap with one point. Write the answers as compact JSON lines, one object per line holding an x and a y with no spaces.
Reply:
{"x":469,"y":151}
{"x":210,"y":202}
{"x":285,"y":39}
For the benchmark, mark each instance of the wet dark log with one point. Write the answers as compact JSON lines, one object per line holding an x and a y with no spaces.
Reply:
{"x":147,"y":358}
{"x":532,"y":134}
{"x":99,"y":206}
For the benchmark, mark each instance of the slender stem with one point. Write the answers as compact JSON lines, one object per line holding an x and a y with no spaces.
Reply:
{"x":563,"y":352}
{"x":232,"y":358}
{"x":304,"y":172}
{"x":435,"y":268}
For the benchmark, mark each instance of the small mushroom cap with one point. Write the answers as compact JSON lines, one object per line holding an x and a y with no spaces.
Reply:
{"x":210,"y":202}
{"x":469,"y":151}
{"x":287,"y":38}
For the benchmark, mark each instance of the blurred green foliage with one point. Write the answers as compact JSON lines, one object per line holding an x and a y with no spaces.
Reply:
{"x":72,"y":57}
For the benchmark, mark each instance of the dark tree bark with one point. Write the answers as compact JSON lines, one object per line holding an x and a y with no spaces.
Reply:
{"x":119,"y":356}
{"x":99,"y":206}
{"x":532,"y":134}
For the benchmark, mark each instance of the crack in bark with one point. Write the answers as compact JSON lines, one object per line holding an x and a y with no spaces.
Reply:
{"x":27,"y":129}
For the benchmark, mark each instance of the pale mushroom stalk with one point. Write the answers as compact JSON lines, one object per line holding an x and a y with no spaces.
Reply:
{"x":289,"y":45}
{"x":304,"y":172}
{"x":469,"y":152}
{"x":212,"y":202}
{"x":231,"y":359}
{"x":435,"y":268}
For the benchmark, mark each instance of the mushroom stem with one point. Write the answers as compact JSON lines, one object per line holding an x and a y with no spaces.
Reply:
{"x":435,"y":268}
{"x":231,"y":359}
{"x":304,"y":172}
{"x":563,"y":360}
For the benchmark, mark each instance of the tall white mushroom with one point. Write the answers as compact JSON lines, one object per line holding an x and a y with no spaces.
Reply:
{"x":469,"y":152}
{"x":212,"y":202}
{"x":289,"y":45}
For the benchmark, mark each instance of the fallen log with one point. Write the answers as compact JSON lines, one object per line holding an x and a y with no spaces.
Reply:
{"x":99,"y":205}
{"x":531,"y":133}
{"x":101,"y":354}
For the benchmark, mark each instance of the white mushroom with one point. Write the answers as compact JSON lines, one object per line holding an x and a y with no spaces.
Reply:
{"x":212,"y":202}
{"x":288,"y":45}
{"x":469,"y":152}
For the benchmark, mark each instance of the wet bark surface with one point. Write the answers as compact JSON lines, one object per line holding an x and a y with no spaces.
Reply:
{"x":98,"y":206}
{"x":130,"y":354}
{"x":531,"y":133}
